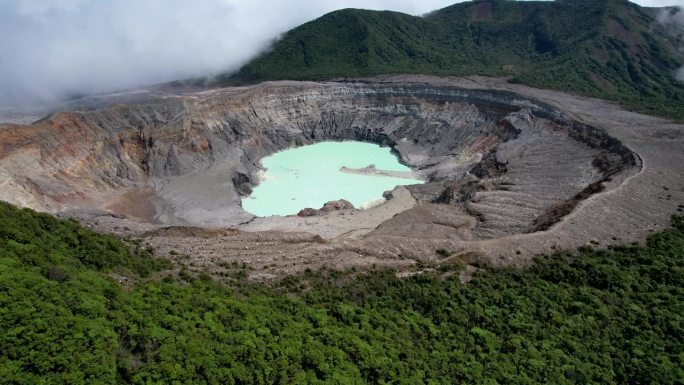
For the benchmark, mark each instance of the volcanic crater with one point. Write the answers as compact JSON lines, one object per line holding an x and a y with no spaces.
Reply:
{"x":503,"y":169}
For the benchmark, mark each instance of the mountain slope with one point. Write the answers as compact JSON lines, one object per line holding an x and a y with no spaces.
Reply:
{"x":611,"y":49}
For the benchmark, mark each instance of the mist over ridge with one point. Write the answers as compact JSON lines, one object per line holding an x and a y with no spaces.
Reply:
{"x":59,"y":49}
{"x":62,"y":48}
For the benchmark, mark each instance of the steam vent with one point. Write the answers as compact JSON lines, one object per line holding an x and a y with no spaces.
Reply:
{"x":506,"y":175}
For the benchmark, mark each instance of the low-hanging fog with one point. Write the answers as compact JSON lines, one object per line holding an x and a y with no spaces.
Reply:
{"x":673,"y":20}
{"x":52,"y":49}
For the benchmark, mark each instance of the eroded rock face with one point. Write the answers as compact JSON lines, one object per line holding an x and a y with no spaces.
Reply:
{"x":505,"y":163}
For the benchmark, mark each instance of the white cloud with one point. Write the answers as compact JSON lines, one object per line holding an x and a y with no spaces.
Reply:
{"x":659,"y":3}
{"x":50,"y":48}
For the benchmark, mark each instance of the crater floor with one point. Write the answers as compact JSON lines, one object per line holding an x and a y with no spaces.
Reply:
{"x":511,"y":172}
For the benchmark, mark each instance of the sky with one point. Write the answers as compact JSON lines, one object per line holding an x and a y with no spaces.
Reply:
{"x":50,"y":49}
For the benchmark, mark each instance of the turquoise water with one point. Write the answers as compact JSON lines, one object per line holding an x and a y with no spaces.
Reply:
{"x":309,"y":176}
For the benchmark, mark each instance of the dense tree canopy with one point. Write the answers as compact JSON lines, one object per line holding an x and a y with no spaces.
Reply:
{"x":595,"y":316}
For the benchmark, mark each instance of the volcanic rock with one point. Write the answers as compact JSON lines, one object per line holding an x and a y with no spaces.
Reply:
{"x":340,"y":204}
{"x":336,"y":205}
{"x":308,"y":212}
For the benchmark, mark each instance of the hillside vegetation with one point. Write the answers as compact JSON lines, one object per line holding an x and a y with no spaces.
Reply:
{"x":609,"y":316}
{"x":611,"y":49}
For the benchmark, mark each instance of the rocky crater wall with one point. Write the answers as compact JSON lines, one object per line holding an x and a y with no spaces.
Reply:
{"x":511,"y":164}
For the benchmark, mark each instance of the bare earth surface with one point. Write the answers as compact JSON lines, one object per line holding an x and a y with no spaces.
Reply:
{"x":510,"y":174}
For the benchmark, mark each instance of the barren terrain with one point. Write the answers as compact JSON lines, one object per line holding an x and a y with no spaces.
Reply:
{"x":511,"y":172}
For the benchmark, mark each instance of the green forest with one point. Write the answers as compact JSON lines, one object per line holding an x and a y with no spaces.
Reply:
{"x":78,"y":307}
{"x":610,"y":49}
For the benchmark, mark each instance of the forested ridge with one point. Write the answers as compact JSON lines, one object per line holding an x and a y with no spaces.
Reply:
{"x":78,"y":307}
{"x":611,"y":49}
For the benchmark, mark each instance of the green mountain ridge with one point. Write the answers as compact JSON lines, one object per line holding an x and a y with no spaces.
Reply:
{"x":610,"y":49}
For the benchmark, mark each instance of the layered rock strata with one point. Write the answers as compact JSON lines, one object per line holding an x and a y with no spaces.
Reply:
{"x":187,"y":160}
{"x":498,"y":166}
